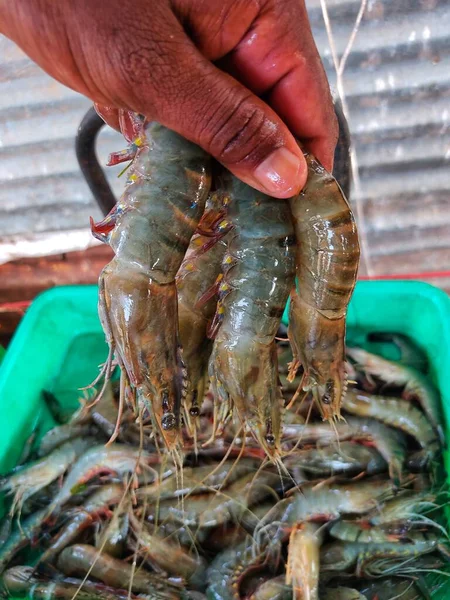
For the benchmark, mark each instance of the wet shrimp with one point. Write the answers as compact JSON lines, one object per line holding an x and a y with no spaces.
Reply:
{"x":21,"y":582}
{"x":390,"y":443}
{"x":415,"y":384}
{"x":111,"y":536}
{"x":80,"y":559}
{"x":63,"y":433}
{"x":362,"y":532}
{"x":196,"y":480}
{"x":258,"y":275}
{"x":347,"y":458}
{"x":392,"y":588}
{"x":229,"y":568}
{"x":196,"y":307}
{"x":149,"y":230}
{"x":400,"y":414}
{"x":31,"y":478}
{"x":167,"y":555}
{"x":93,"y":508}
{"x":117,"y":460}
{"x":21,"y":536}
{"x":409,"y":509}
{"x":273,"y":589}
{"x":207,"y":511}
{"x":368,"y":560}
{"x":302,"y":569}
{"x":321,"y":503}
{"x":327,"y":266}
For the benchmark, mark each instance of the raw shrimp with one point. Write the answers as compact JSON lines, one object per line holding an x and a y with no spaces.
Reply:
{"x":348,"y":458}
{"x":63,"y":433}
{"x":227,"y":570}
{"x":343,"y":556}
{"x":95,"y":506}
{"x":302,"y":569}
{"x":391,"y":588}
{"x":390,"y":443}
{"x":258,"y":275}
{"x":416,"y":384}
{"x":164,"y":553}
{"x":322,"y":503}
{"x":408,"y":509}
{"x":116,"y":459}
{"x":220,"y":571}
{"x":111,"y":536}
{"x":196,"y":277}
{"x":410,"y":353}
{"x":21,"y":582}
{"x":149,"y":230}
{"x":197,"y":480}
{"x":29,"y":479}
{"x":327,"y":266}
{"x":206,"y":511}
{"x":21,"y":536}
{"x":81,"y":559}
{"x":273,"y":589}
{"x":395,"y":413}
{"x":362,"y":532}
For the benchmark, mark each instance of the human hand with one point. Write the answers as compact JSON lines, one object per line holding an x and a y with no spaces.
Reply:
{"x":199,"y":67}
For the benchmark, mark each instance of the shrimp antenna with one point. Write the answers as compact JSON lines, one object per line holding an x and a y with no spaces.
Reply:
{"x":118,"y":509}
{"x":339,"y":66}
{"x":299,"y":441}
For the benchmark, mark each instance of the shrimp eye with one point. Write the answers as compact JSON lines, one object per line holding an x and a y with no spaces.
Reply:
{"x":194,"y":411}
{"x":168,"y":421}
{"x":326,"y":399}
{"x":270,"y":439}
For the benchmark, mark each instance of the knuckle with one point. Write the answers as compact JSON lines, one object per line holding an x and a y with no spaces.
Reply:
{"x":145,"y":72}
{"x":242,"y":133}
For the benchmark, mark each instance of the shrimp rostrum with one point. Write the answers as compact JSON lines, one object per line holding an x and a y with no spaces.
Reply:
{"x":149,"y":230}
{"x":327,"y":265}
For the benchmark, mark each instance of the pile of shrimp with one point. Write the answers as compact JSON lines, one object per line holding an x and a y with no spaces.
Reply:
{"x":203,"y":268}
{"x":353,"y":510}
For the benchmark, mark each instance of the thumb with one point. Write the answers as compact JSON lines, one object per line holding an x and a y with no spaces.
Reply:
{"x":215,"y":111}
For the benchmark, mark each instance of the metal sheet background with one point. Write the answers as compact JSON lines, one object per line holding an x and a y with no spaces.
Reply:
{"x":397,"y":82}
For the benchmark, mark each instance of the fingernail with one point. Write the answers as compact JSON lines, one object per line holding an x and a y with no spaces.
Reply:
{"x":280,"y":173}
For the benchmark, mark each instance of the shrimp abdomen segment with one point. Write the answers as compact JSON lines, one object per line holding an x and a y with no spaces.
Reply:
{"x":328,"y":252}
{"x":327,"y":266}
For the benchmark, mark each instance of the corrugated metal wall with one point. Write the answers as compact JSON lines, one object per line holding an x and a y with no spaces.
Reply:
{"x":397,"y":83}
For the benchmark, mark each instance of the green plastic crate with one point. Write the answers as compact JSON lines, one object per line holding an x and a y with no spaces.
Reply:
{"x":59,"y":345}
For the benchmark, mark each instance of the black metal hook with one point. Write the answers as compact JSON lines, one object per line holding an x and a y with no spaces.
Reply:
{"x":87,"y":159}
{"x":99,"y":186}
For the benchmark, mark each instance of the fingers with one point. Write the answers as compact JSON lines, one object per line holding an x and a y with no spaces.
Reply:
{"x":212,"y":109}
{"x":278,"y":59}
{"x":268,"y":47}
